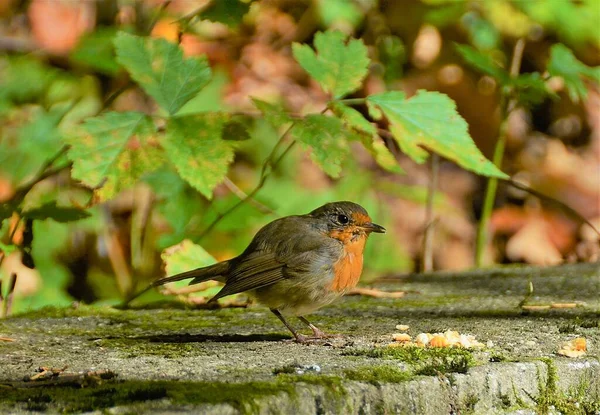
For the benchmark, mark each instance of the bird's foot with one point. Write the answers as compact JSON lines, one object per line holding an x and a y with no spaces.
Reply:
{"x":317,"y":338}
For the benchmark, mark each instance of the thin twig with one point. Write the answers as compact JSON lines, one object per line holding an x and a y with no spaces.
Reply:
{"x":427,"y":263}
{"x":233,"y":188}
{"x":506,"y":106}
{"x":267,"y":168}
{"x":43,"y":173}
{"x":372,"y":292}
{"x":8,"y":300}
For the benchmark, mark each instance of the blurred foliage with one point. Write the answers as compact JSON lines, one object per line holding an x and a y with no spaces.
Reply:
{"x":127,"y":142}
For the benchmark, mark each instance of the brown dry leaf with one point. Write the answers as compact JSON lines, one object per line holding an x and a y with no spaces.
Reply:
{"x":532,"y":244}
{"x":563,"y":305}
{"x":371,"y":292}
{"x":508,"y":220}
{"x":6,"y":339}
{"x":535,"y":307}
{"x":166,"y":29}
{"x":427,"y":46}
{"x":6,"y":190}
{"x":28,"y":281}
{"x":57,"y":25}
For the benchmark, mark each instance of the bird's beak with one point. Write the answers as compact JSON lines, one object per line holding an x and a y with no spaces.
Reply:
{"x":373,"y":227}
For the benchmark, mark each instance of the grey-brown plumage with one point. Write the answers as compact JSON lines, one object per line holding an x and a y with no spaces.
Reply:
{"x":296,"y":264}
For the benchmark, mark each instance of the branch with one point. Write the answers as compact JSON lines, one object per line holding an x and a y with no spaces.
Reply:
{"x":267,"y":168}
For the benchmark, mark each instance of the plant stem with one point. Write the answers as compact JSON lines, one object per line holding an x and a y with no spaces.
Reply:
{"x":267,"y":168}
{"x":353,"y":101}
{"x":427,"y":264}
{"x":506,"y":106}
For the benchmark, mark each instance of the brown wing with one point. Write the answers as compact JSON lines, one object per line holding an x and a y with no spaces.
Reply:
{"x":271,"y":258}
{"x":252,"y":271}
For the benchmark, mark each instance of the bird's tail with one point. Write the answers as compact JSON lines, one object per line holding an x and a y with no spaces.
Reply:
{"x":199,"y":275}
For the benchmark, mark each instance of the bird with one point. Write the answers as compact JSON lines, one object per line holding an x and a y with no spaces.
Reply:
{"x":296,"y":264}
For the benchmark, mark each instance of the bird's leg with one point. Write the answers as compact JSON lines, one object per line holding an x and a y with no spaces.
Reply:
{"x":317,"y":333}
{"x":299,"y":337}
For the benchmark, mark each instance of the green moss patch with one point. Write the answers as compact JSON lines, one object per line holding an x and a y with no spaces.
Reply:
{"x":67,"y":399}
{"x":575,"y":401}
{"x":378,"y":375}
{"x":425,"y":361}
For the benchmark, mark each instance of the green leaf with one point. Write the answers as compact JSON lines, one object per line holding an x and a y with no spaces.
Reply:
{"x":194,"y":145}
{"x":530,"y":89}
{"x":353,"y":118}
{"x":274,"y":114}
{"x":482,"y":34}
{"x":325,"y":137}
{"x":430,"y":119}
{"x":210,"y":98}
{"x":228,"y":12}
{"x":339,"y":12}
{"x":563,"y":63}
{"x":185,"y":256}
{"x":367,"y":134}
{"x":392,"y":55}
{"x":23,"y":153}
{"x":178,"y":203}
{"x":97,"y":51}
{"x":57,"y":213}
{"x":159,"y":67}
{"x":338,"y":67}
{"x":114,"y":150}
{"x":483,"y":62}
{"x":237,"y":128}
{"x":25,"y":79}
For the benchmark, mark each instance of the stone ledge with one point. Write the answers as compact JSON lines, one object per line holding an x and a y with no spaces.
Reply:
{"x":172,"y":360}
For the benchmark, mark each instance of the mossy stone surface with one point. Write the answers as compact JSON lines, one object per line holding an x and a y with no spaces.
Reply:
{"x":172,"y":358}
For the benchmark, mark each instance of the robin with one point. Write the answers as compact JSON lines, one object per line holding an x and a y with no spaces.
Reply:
{"x":296,"y":264}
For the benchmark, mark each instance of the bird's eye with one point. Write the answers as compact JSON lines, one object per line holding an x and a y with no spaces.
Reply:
{"x":343,"y":219}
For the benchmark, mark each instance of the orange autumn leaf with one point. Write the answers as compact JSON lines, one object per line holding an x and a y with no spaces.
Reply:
{"x":57,"y":25}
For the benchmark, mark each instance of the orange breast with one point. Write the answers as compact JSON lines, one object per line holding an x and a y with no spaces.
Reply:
{"x":348,"y":269}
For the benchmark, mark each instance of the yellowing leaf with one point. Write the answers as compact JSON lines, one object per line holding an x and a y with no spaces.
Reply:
{"x":274,"y":115}
{"x":430,"y":119}
{"x":367,"y":134}
{"x":185,"y":256}
{"x":325,"y":136}
{"x":563,"y":63}
{"x":159,"y":67}
{"x":194,"y":145}
{"x":339,"y":67}
{"x":113,"y":151}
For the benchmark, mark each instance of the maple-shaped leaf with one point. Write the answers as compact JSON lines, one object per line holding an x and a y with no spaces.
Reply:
{"x":274,"y":114}
{"x":368,"y":136}
{"x":194,"y":144}
{"x":563,"y":63}
{"x":186,"y":256}
{"x":339,"y":67}
{"x":430,"y":120}
{"x":326,"y":137}
{"x":159,"y":67}
{"x":112,"y":151}
{"x":483,"y":62}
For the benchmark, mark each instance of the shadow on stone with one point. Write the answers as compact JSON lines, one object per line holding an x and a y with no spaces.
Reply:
{"x":216,"y":338}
